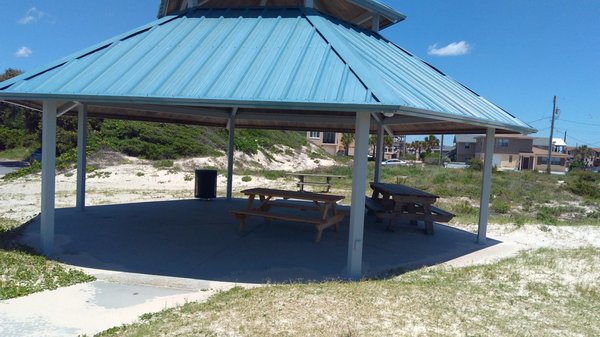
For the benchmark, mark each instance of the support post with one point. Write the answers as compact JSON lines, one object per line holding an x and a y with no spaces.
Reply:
{"x":486,"y":186}
{"x":48,"y":177}
{"x":375,"y":23}
{"x":230,"y":153}
{"x":379,"y":152}
{"x":357,"y":210}
{"x":442,"y":151}
{"x":81,"y":156}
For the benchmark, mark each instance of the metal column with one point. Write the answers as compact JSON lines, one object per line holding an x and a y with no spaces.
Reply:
{"x":486,"y":186}
{"x":48,"y":177}
{"x":357,"y":211}
{"x":379,"y":152}
{"x":230,"y":153}
{"x":81,"y":156}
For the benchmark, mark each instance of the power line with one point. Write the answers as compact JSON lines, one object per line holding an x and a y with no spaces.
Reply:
{"x":538,"y":120}
{"x":581,"y":123}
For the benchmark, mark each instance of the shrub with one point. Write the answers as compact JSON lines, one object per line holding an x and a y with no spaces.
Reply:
{"x":163,"y":163}
{"x":548,"y":215}
{"x":464,"y":208}
{"x":476,"y":164}
{"x":10,"y":138}
{"x":594,"y":215}
{"x":273,"y":175}
{"x":246,"y":179}
{"x":500,"y":206}
{"x":585,"y":184}
{"x":431,"y":159}
{"x":440,"y":178}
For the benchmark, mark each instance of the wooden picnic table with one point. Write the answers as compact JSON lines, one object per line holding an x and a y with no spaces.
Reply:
{"x":324,"y":204}
{"x":393,"y":201}
{"x":326,"y":183}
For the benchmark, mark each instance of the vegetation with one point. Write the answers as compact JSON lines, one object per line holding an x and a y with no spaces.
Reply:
{"x":541,"y":293}
{"x":517,"y":197}
{"x":22,"y":272}
{"x":585,"y":184}
{"x":584,"y":157}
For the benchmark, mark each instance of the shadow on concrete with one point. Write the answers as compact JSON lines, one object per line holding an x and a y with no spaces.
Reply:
{"x":200,"y":240}
{"x":13,"y":164}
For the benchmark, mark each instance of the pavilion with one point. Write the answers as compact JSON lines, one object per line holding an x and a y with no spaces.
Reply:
{"x":310,"y":65}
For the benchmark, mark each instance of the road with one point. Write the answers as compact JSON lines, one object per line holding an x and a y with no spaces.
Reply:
{"x":10,"y":166}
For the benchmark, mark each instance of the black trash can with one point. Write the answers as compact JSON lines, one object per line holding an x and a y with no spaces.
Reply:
{"x":206,"y":184}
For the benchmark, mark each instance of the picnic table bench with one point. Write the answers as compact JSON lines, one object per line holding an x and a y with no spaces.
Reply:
{"x":325,"y":204}
{"x":395,"y":201}
{"x":326,"y":182}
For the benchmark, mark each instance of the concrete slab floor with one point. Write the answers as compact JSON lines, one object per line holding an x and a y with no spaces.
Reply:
{"x":155,"y":255}
{"x":200,"y":240}
{"x":86,"y":309}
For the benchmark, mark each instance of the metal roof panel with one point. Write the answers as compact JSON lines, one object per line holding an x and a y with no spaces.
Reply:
{"x":259,"y":58}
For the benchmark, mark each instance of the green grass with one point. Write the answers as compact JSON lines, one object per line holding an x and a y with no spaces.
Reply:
{"x":517,"y":197}
{"x":23,"y":273}
{"x":540,"y":293}
{"x":19,"y":153}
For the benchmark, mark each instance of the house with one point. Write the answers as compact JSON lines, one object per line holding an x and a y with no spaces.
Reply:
{"x":329,"y":141}
{"x":516,"y":152}
{"x":332,"y":143}
{"x":465,"y":147}
{"x":558,"y":144}
{"x":594,"y":161}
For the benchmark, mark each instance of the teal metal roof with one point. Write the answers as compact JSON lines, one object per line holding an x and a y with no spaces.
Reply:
{"x":262,"y":59}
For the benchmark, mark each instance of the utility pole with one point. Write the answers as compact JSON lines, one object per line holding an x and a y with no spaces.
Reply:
{"x":441,"y":150}
{"x":548,"y":169}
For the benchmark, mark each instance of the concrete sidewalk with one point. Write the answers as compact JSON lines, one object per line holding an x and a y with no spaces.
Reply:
{"x":86,"y":309}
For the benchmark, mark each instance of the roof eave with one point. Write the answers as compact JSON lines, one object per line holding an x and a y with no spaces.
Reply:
{"x":386,"y":11}
{"x":314,"y":106}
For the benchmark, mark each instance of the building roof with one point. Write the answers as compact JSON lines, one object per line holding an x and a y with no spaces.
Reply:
{"x":506,"y":136}
{"x":279,"y":68}
{"x":466,"y":138}
{"x":357,"y":12}
{"x":543,"y":141}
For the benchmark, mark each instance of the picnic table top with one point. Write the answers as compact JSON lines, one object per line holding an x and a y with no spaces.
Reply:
{"x":401,"y":190}
{"x":293,"y":194}
{"x":315,"y":175}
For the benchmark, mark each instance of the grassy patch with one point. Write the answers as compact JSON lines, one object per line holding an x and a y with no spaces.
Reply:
{"x":19,"y":153}
{"x":23,"y":273}
{"x":538,"y":293}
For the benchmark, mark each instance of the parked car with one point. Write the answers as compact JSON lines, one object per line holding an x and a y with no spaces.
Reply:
{"x":394,"y":162}
{"x":36,"y":155}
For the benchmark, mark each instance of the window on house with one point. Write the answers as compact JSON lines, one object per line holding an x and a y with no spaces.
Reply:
{"x":553,"y":161}
{"x":502,"y":142}
{"x":313,"y":134}
{"x":467,"y":146}
{"x":328,"y":137}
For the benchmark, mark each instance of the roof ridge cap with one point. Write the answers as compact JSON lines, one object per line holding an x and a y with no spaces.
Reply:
{"x":349,"y":56}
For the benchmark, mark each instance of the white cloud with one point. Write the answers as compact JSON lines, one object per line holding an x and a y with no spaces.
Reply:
{"x":23,"y":52}
{"x":32,"y":15}
{"x":453,"y":49}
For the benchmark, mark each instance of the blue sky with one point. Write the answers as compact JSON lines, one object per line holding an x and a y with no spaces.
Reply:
{"x":516,"y":53}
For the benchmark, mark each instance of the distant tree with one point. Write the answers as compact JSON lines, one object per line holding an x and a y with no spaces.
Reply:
{"x":10,"y":73}
{"x":584,"y":157}
{"x":431,"y":142}
{"x":347,"y":139}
